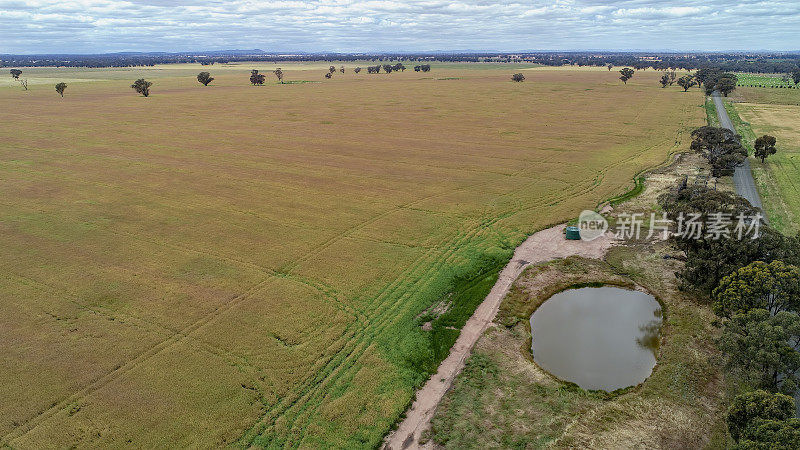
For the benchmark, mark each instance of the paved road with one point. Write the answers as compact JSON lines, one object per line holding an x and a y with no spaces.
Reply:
{"x":743,"y":176}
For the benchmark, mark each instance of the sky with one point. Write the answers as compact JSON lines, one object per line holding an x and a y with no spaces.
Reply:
{"x":100,"y":26}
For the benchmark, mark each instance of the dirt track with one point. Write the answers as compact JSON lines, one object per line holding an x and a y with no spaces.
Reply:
{"x":542,"y":246}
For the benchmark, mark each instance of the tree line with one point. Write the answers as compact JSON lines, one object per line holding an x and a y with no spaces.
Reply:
{"x":753,"y":286}
{"x":730,"y":62}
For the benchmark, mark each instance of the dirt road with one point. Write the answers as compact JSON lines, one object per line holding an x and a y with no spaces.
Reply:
{"x":543,"y":246}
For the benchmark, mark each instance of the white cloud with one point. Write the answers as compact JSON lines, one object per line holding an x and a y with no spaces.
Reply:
{"x":670,"y":11}
{"x":86,"y":26}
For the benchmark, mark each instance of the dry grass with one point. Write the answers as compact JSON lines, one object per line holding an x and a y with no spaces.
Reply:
{"x":245,"y":264}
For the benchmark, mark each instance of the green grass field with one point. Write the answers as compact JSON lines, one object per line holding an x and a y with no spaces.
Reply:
{"x":780,"y":81}
{"x":250,"y":265}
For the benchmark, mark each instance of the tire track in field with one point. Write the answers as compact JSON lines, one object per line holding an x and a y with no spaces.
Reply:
{"x":483,"y":226}
{"x":384,"y":318}
{"x":329,"y":292}
{"x":388,"y":319}
{"x":355,"y":338}
{"x":104,"y":380}
{"x":149,"y":326}
{"x":393,"y":285}
{"x":138,"y":322}
{"x":349,"y":342}
{"x":509,"y":213}
{"x":182,"y":335}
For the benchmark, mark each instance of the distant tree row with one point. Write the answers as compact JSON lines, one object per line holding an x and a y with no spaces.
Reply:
{"x":730,"y":62}
{"x":389,"y":68}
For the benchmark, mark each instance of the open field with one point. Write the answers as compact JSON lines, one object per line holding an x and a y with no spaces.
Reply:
{"x":779,"y":175}
{"x":778,"y":179}
{"x":772,"y":96}
{"x":251,"y":265}
{"x":775,"y":80}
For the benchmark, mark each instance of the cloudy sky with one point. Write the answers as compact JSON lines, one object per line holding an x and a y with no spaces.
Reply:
{"x":95,"y":26}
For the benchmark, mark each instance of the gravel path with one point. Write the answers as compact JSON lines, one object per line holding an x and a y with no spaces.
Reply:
{"x":543,"y":246}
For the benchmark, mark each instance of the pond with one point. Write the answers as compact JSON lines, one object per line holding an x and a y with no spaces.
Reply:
{"x":598,"y":338}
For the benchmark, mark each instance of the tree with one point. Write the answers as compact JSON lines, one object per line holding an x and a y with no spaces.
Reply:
{"x":627,"y":74}
{"x":24,"y":83}
{"x":686,"y":82}
{"x":796,"y":75}
{"x":60,"y":88}
{"x":765,"y":146}
{"x":754,"y":405}
{"x":417,"y":68}
{"x":204,"y":78}
{"x":425,"y":67}
{"x":763,"y":434}
{"x":328,"y":75}
{"x":672,"y":76}
{"x":341,"y":69}
{"x":257,"y":78}
{"x":721,"y":147}
{"x":726,"y":83}
{"x":399,"y":67}
{"x":664,"y":80}
{"x":763,"y":349}
{"x":15,"y":73}
{"x":279,"y":74}
{"x":518,"y":77}
{"x":388,"y":68}
{"x":332,"y":69}
{"x":773,"y":286}
{"x":703,"y":201}
{"x":142,"y":86}
{"x":707,"y":76}
{"x":357,"y":69}
{"x":709,"y":261}
{"x":610,"y":66}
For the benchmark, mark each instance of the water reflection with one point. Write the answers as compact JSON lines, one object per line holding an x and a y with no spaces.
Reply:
{"x":599,"y":338}
{"x":650,"y":337}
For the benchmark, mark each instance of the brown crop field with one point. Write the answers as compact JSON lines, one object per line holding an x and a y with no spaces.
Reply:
{"x":249,"y":265}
